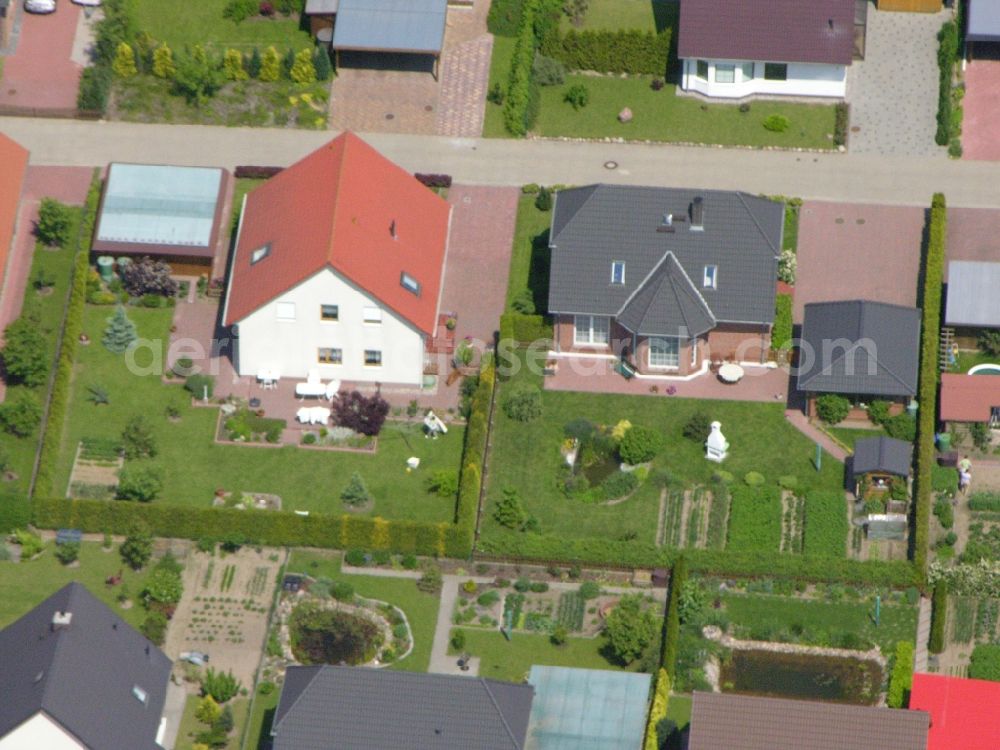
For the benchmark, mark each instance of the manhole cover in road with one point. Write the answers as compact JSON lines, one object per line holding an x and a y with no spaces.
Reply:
{"x":390,"y":116}
{"x":611,"y":165}
{"x":839,"y":220}
{"x":11,"y":91}
{"x":429,"y":108}
{"x":856,"y":129}
{"x":859,"y":221}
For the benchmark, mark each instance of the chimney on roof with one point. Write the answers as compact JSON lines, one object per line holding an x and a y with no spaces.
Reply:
{"x":697,"y":215}
{"x":829,"y":22}
{"x":392,"y":229}
{"x":61,"y":620}
{"x":666,"y":224}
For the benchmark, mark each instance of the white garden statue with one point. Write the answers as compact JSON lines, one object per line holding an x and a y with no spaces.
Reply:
{"x":716,"y":447}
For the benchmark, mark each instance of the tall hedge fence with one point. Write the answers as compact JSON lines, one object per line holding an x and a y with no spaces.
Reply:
{"x":520,"y":81}
{"x":59,"y":399}
{"x":672,"y":621}
{"x":476,"y":434}
{"x":631,"y":51}
{"x":948,"y":47}
{"x":939,"y":617}
{"x":933,"y":278}
{"x":524,"y":329}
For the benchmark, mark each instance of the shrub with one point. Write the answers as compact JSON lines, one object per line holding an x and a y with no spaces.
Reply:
{"x":137,"y":548}
{"x":120,"y":333}
{"x":753,"y":479}
{"x":124,"y":64}
{"x":266,"y":687}
{"x":503,"y":17}
{"x":443,"y":483}
{"x":989,"y":341}
{"x":364,"y":414}
{"x":458,"y":639}
{"x":303,"y":70}
{"x":619,"y":484}
{"x":543,"y":202}
{"x":321,"y":64}
{"x":495,"y":95}
{"x":196,"y":78}
{"x":841,"y":123}
{"x":163,"y":62}
{"x":630,"y":627}
{"x":878,"y":411}
{"x":949,"y":42}
{"x":936,"y":644}
{"x":270,"y":65}
{"x":488,"y":599}
{"x":697,"y":427}
{"x":548,"y":71}
{"x":523,"y":402}
{"x":164,"y":586}
{"x":356,"y":492}
{"x":832,"y":408}
{"x":54,"y":222}
{"x":781,"y":332}
{"x":222,"y":686}
{"x":577,"y":96}
{"x":640,"y":444}
{"x":523,"y":302}
{"x":787,"y":266}
{"x":776,"y":123}
{"x":154,"y":627}
{"x":24,"y":356}
{"x":355,"y":557}
{"x":200,"y":386}
{"x":902,"y":427}
{"x":238,"y":11}
{"x":409,"y":562}
{"x":137,"y":439}
{"x":431,"y":581}
{"x":433,"y":180}
{"x":232,"y":66}
{"x":67,"y":552}
{"x":148,"y":276}
{"x":139,"y":481}
{"x":559,"y":635}
{"x":95,"y":89}
{"x":342,"y":591}
{"x":20,"y":415}
{"x":985,"y":663}
{"x":589,"y":590}
{"x":509,"y":511}
{"x":945,"y":514}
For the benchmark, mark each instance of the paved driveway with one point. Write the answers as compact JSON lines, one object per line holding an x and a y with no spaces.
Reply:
{"x":41,"y":73}
{"x":981,"y":120}
{"x":893,"y":91}
{"x":856,"y":251}
{"x":973,"y":234}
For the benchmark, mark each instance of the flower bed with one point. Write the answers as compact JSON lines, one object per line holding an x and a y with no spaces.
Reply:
{"x":245,"y":426}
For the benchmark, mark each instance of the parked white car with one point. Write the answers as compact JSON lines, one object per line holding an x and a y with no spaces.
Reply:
{"x":40,"y":6}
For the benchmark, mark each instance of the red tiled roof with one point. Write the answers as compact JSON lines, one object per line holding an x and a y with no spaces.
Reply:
{"x":338,"y":208}
{"x":808,"y":31}
{"x":968,"y":398}
{"x":963,"y":712}
{"x":14,"y":159}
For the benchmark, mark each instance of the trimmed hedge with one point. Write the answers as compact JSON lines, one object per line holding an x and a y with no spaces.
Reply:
{"x":504,"y":17}
{"x":672,"y":621}
{"x":59,"y":398}
{"x":930,"y":302}
{"x":657,"y":710}
{"x":841,"y":123}
{"x":524,"y":329}
{"x":948,"y":47}
{"x":434,"y":180}
{"x":607,"y":51}
{"x":256,"y":173}
{"x":520,"y":82}
{"x":939,"y":617}
{"x":781,"y":332}
{"x":476,"y":434}
{"x":599,"y":551}
{"x":901,"y":679}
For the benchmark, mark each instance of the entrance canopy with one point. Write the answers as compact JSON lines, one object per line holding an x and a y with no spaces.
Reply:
{"x":413,"y":26}
{"x":984,"y":21}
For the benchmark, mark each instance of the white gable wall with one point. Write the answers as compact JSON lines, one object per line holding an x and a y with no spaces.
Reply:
{"x":265,"y":340}
{"x":37,"y":733}
{"x":803,"y":79}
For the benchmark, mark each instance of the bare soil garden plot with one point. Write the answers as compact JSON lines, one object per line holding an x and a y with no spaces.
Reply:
{"x":95,"y":469}
{"x":693,"y":518}
{"x":225,"y":608}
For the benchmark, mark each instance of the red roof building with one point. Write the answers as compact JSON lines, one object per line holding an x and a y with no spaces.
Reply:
{"x":346,"y":207}
{"x":14,"y":159}
{"x":969,"y":398}
{"x":963,"y":712}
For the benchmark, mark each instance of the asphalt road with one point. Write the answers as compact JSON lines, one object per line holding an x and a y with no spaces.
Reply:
{"x":847,"y":177}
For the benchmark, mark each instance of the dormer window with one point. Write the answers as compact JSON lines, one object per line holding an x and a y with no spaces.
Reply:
{"x":260,"y":253}
{"x":711,"y":277}
{"x":409,"y":283}
{"x":140,"y":694}
{"x":617,"y":272}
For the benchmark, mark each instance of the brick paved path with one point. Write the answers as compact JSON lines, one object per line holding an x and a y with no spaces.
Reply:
{"x":981,"y":123}
{"x":465,"y":74}
{"x":41,"y":73}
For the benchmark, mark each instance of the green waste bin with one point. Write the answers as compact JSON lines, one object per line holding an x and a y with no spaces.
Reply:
{"x":105,"y":267}
{"x":944,"y":441}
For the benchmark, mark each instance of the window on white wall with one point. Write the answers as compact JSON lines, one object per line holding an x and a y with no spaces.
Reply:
{"x":747,"y":69}
{"x":285,"y":310}
{"x":701,"y":69}
{"x":373,"y":314}
{"x":591,"y":329}
{"x":373,"y":357}
{"x":664,"y":353}
{"x":329,"y":312}
{"x":725,"y":73}
{"x":330,"y":356}
{"x":775,"y":72}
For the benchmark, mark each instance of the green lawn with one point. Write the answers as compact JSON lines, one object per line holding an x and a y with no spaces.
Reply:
{"x":769,"y":614}
{"x":261,"y":717}
{"x":421,"y":609}
{"x":848,"y":435}
{"x":969,"y":359}
{"x":180,"y":23}
{"x":48,"y":309}
{"x":512,"y":660}
{"x":190,"y":726}
{"x":663,"y":116}
{"x":26,"y":584}
{"x":645,"y":15}
{"x":503,"y":52}
{"x":527,"y":457}
{"x":679,"y":710}
{"x":529,"y":260}
{"x":306,"y":480}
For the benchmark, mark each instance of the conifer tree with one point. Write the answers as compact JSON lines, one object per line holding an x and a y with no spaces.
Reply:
{"x":124,"y":64}
{"x":120,"y":333}
{"x":270,"y":65}
{"x":163,"y":62}
{"x":303,"y":70}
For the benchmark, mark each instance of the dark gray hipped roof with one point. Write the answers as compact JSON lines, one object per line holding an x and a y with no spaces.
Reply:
{"x":390,"y":25}
{"x":595,"y":225}
{"x":726,"y":721}
{"x":371,"y":709}
{"x":882,"y":454}
{"x":973,"y":294}
{"x":869,"y":348}
{"x":984,"y":21}
{"x":82,"y":675}
{"x":817,"y":31}
{"x":666,"y":297}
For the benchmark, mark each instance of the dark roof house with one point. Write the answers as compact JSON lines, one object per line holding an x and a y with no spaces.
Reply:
{"x":884,"y":455}
{"x":371,"y":709}
{"x":727,"y":721}
{"x":73,"y":663}
{"x":859,"y":347}
{"x":788,"y":31}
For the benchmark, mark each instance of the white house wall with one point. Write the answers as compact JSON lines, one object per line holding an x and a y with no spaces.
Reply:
{"x":291,"y":346}
{"x":803,"y":79}
{"x":39,"y":733}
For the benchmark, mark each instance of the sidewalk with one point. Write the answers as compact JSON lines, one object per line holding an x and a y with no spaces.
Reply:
{"x":800,"y":422}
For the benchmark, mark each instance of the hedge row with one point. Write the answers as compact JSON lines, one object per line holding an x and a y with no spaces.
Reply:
{"x":597,"y":551}
{"x":933,"y":278}
{"x":781,"y":332}
{"x":672,"y":621}
{"x":504,"y":17}
{"x":524,"y":329}
{"x":608,"y":51}
{"x":657,"y":710}
{"x":59,"y":399}
{"x":434,"y":180}
{"x":901,"y":679}
{"x":474,"y":455}
{"x":252,"y":172}
{"x":278,"y":528}
{"x":948,"y":47}
{"x":939,"y":617}
{"x":520,"y":82}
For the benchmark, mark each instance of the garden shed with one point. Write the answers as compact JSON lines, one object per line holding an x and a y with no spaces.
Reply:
{"x":165,"y":212}
{"x":879,"y":459}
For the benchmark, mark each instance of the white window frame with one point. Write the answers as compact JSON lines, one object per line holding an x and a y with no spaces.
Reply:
{"x":585,"y":324}
{"x":751,"y":66}
{"x":372,"y":315}
{"x":285,"y":311}
{"x":336,"y":355}
{"x":377,"y":355}
{"x":654,"y":342}
{"x":260,"y":253}
{"x":329,"y":319}
{"x":710,"y":277}
{"x":618,"y":272}
{"x":729,"y":68}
